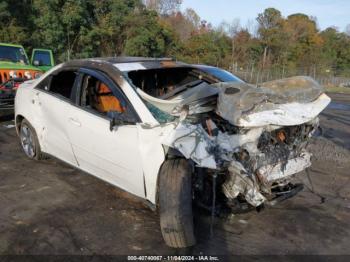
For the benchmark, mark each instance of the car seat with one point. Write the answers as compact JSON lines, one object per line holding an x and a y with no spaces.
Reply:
{"x":106,"y":101}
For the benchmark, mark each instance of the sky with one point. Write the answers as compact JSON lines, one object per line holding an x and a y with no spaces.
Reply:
{"x":328,"y":12}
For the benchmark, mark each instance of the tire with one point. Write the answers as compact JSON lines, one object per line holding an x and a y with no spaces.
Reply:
{"x":175,"y":203}
{"x":29,"y":141}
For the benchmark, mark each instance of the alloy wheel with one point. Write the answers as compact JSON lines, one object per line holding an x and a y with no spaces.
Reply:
{"x":27,"y":141}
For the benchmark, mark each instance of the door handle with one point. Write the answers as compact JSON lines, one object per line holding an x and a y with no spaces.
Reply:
{"x":74,"y":121}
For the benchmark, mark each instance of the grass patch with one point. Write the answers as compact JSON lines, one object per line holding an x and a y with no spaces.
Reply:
{"x":338,"y":89}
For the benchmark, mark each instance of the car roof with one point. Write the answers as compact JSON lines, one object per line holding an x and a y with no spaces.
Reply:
{"x":13,"y":45}
{"x":133,"y":59}
{"x":124,"y":61}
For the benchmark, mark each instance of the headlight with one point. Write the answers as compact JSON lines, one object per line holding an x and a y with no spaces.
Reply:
{"x":27,"y":75}
{"x":37,"y":75}
{"x":12,"y":74}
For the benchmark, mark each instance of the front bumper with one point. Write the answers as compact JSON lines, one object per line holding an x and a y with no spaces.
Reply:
{"x":256,"y":187}
{"x":7,"y":102}
{"x":280,"y":171}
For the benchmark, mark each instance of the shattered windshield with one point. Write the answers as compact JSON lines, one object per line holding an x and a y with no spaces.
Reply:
{"x":13,"y":54}
{"x":161,"y":116}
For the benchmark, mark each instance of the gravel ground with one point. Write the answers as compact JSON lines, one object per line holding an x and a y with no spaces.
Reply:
{"x":48,"y":207}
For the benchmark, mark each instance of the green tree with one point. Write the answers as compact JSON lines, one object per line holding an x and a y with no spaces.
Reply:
{"x":145,"y":36}
{"x":272,"y":35}
{"x":12,"y":29}
{"x":59,"y":25}
{"x":335,"y":50}
{"x":210,"y":48}
{"x":304,"y":42}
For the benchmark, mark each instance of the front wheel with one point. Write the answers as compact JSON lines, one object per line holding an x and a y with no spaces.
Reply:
{"x":175,"y":203}
{"x":29,"y":141}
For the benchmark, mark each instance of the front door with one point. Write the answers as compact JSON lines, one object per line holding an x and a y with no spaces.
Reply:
{"x":42,"y":59}
{"x":110,"y":154}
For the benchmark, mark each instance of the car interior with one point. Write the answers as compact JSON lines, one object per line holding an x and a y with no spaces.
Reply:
{"x":95,"y":94}
{"x":98,"y":96}
{"x":165,"y":83}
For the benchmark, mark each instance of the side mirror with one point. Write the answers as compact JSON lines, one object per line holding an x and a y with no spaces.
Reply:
{"x":36,"y":63}
{"x":119,"y":119}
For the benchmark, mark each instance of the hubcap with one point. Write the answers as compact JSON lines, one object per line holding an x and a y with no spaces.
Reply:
{"x":27,"y":141}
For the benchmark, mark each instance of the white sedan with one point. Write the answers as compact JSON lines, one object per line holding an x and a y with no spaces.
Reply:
{"x":173,"y":134}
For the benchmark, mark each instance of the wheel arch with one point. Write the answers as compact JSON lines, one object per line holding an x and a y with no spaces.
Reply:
{"x":18,"y":120}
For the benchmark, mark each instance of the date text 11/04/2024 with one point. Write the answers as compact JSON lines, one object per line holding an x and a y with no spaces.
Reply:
{"x":173,"y":258}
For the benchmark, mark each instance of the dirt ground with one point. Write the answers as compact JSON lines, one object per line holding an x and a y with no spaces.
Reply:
{"x":48,"y":207}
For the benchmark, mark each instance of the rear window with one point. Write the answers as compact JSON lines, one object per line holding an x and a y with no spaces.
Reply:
{"x":62,"y":83}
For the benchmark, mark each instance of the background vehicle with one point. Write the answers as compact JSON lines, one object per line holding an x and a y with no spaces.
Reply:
{"x":15,"y":68}
{"x":42,"y":59}
{"x":7,"y":95}
{"x":14,"y":62}
{"x":170,"y":133}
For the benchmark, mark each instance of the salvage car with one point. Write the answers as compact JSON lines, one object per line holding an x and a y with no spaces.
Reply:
{"x":173,"y":134}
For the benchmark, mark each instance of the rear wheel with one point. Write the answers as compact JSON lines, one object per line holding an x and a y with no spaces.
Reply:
{"x":175,"y":203}
{"x":29,"y":140}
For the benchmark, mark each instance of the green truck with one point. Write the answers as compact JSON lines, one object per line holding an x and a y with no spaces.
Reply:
{"x":15,"y":68}
{"x":14,"y":62}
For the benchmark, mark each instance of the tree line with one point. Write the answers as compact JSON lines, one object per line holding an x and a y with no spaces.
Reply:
{"x":158,"y":28}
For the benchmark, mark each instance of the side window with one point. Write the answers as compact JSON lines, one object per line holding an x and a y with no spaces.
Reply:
{"x":44,"y":84}
{"x":97,"y":96}
{"x":42,"y":58}
{"x":62,"y":83}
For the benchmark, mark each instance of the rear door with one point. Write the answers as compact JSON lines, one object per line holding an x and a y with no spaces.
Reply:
{"x":42,"y":59}
{"x":52,"y":102}
{"x":112,"y":155}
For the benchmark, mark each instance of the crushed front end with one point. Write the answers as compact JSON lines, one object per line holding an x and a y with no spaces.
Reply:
{"x":246,"y":142}
{"x":251,"y":166}
{"x":260,"y":170}
{"x":252,"y":143}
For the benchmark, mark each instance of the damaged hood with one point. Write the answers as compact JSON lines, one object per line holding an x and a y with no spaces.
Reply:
{"x":284,"y":102}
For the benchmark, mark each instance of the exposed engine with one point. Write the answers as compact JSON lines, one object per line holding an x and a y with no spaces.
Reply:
{"x":254,"y":173}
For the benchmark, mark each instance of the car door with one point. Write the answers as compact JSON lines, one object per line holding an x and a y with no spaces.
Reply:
{"x":42,"y":59}
{"x":52,"y":102}
{"x":111,"y":154}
